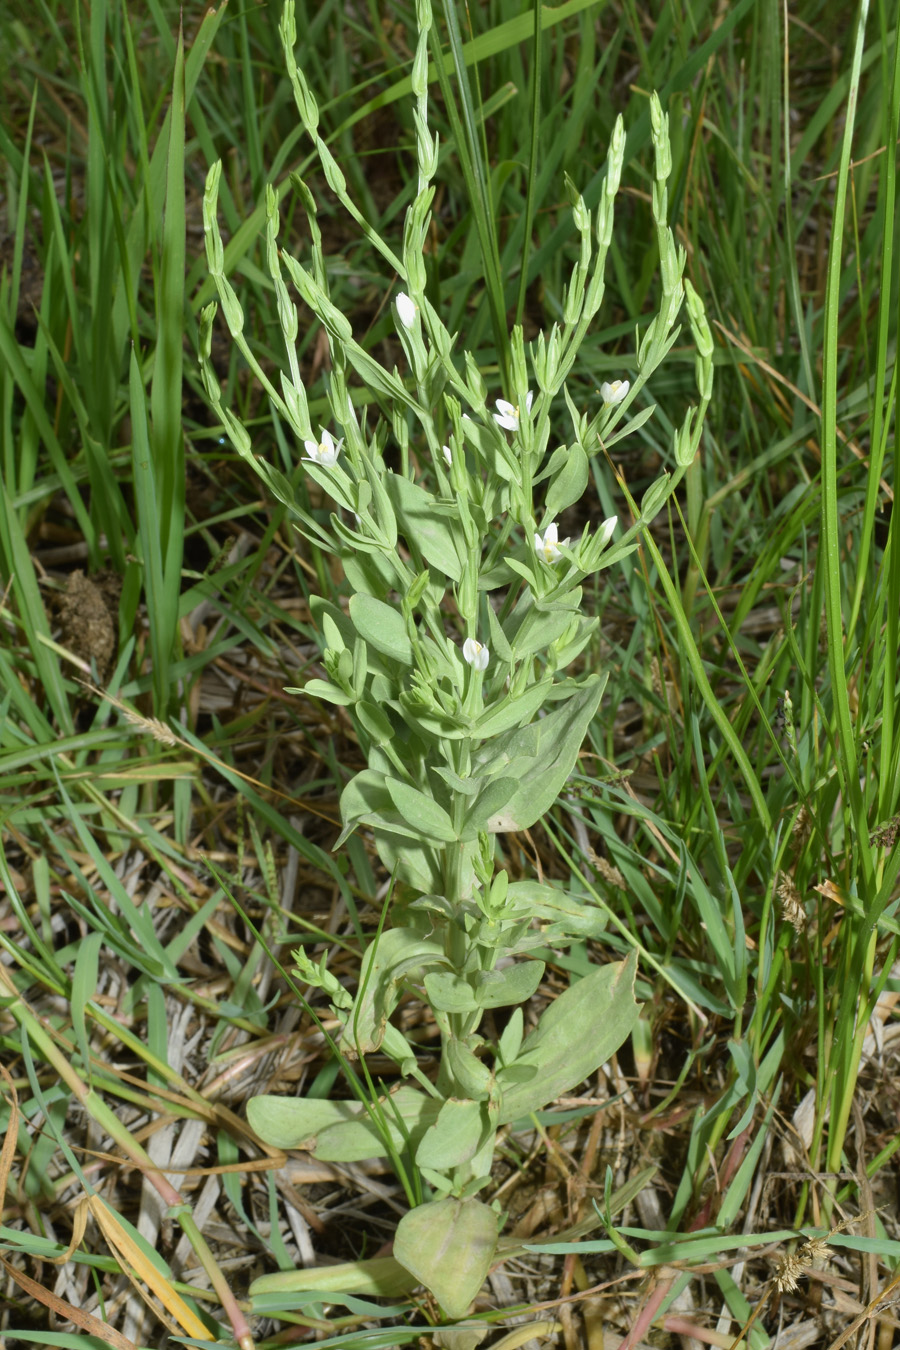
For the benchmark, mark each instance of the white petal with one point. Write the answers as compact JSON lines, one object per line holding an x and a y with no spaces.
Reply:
{"x":476,"y":654}
{"x":507,"y":415}
{"x":614,"y":392}
{"x":549,"y":545}
{"x":448,"y":456}
{"x":325,"y":452}
{"x":406,"y":310}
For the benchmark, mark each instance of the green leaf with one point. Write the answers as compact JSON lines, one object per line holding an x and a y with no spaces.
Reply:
{"x":384,"y":511}
{"x":375,"y":377}
{"x":569,"y":484}
{"x":414,"y":862}
{"x":498,"y":642}
{"x":379,"y":1277}
{"x":369,"y":573}
{"x":84,"y":987}
{"x":354,"y":541}
{"x":522,"y":570}
{"x":397,"y":955}
{"x":375,"y":722}
{"x":568,"y":913}
{"x":585,"y":631}
{"x":449,"y":992}
{"x":454,"y":1137}
{"x":541,"y":756}
{"x":512,"y":711}
{"x":425,"y":524}
{"x":335,"y":640}
{"x":324,"y":689}
{"x":513,"y":985}
{"x":494,"y":796}
{"x":338,"y":631}
{"x":633,"y":425}
{"x":511,"y":1040}
{"x":541,"y":626}
{"x":426,"y":816}
{"x":575,"y":1035}
{"x":470,"y":1072}
{"x":382,"y":626}
{"x":449,"y":1245}
{"x":467,"y":786}
{"x":341,"y":1131}
{"x":655,"y":496}
{"x":366,"y":801}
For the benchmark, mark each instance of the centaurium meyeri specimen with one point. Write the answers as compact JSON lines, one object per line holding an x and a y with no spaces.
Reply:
{"x":454,"y":761}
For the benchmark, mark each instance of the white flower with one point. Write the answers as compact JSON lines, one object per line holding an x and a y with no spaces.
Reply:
{"x":547,"y":545}
{"x":476,"y":655}
{"x":406,"y":310}
{"x":507,"y":414}
{"x":448,"y":456}
{"x":615,"y":392}
{"x":326,"y":452}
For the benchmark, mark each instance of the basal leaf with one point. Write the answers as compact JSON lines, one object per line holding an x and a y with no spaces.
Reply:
{"x":342,"y":1131}
{"x":449,"y":1246}
{"x":455,"y":1136}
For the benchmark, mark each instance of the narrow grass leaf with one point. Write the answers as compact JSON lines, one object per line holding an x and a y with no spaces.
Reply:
{"x":150,"y":536}
{"x":84,"y":987}
{"x":143,"y":1266}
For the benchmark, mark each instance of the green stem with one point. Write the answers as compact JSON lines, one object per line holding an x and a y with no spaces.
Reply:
{"x":230,"y":1305}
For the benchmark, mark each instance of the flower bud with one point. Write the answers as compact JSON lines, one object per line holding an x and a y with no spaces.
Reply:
{"x":406,"y":310}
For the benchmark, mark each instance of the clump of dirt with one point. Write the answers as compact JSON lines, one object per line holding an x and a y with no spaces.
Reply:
{"x":88,"y":619}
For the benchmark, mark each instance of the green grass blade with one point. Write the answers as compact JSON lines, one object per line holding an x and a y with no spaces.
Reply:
{"x":84,"y":988}
{"x":19,"y":572}
{"x":689,"y":650}
{"x":150,"y":536}
{"x":832,"y":531}
{"x":166,"y":438}
{"x":537,"y":48}
{"x":477,"y":177}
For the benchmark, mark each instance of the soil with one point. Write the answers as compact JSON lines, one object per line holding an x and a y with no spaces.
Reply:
{"x":88,"y":619}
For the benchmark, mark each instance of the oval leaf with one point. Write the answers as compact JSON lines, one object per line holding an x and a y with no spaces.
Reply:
{"x":574,"y":1037}
{"x":382,"y":626}
{"x":425,"y":524}
{"x":449,"y":1246}
{"x":569,"y":484}
{"x":420,"y":812}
